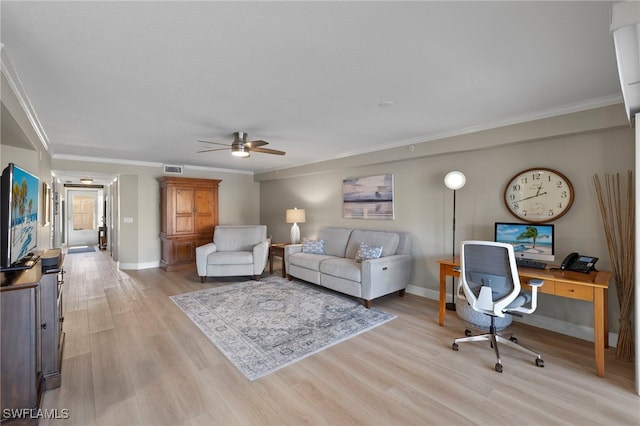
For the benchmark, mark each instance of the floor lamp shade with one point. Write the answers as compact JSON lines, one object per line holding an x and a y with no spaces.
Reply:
{"x":295,"y":216}
{"x":454,"y":180}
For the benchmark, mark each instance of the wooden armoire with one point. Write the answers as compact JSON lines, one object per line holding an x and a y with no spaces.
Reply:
{"x":188,"y":215}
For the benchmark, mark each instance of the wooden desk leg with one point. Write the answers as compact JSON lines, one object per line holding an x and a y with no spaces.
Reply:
{"x":606,"y":317}
{"x":270,"y":262}
{"x":599,"y":311}
{"x":443,"y":296}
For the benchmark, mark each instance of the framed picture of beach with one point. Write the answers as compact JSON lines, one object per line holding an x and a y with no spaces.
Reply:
{"x":369,"y":197}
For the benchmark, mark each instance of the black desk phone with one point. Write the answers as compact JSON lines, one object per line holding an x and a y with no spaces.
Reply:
{"x":579,"y":263}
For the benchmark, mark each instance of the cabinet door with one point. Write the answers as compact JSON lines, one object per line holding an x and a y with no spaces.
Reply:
{"x":205,"y":210}
{"x":184,"y":250}
{"x":184,"y":212}
{"x":49,"y":323}
{"x":19,"y":349}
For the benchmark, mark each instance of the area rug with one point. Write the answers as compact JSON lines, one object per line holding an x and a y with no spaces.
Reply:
{"x":262,"y":326}
{"x":83,"y":249}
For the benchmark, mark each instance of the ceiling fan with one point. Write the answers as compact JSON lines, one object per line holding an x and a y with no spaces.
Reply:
{"x":240,"y":147}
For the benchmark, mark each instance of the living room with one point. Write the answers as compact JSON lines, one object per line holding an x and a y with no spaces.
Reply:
{"x":578,"y":142}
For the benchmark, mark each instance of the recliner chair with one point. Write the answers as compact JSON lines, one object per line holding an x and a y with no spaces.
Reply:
{"x":489,"y":278}
{"x":235,"y":251}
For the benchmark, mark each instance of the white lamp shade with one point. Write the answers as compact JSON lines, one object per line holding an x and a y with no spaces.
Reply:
{"x":455,"y":180}
{"x":295,"y":215}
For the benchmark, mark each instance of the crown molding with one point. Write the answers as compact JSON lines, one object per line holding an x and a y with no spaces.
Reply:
{"x":9,"y":72}
{"x":143,"y":163}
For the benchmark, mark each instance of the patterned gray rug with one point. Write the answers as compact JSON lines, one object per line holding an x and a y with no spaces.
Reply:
{"x":262,"y":326}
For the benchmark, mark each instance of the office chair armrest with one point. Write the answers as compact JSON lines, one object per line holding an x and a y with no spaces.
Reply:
{"x":534,"y":283}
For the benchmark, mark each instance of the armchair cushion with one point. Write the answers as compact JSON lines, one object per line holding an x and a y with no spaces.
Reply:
{"x":238,"y":238}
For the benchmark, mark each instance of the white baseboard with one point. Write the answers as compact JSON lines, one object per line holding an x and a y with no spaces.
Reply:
{"x":137,"y":266}
{"x":574,"y":330}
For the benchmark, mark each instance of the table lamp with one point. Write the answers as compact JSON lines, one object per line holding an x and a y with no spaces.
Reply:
{"x":295,"y":216}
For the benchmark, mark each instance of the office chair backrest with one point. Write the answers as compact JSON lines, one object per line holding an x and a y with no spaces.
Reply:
{"x":489,"y":275}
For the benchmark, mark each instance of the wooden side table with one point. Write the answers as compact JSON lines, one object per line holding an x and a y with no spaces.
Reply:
{"x":277,"y":250}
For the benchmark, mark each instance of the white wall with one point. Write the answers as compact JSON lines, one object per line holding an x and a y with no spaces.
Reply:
{"x":423,"y":205}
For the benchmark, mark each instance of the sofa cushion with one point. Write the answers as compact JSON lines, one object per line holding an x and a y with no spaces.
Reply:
{"x":348,"y":269}
{"x":230,"y":258}
{"x":366,"y":252}
{"x":387,"y":240}
{"x":313,"y":246}
{"x":335,"y":240}
{"x":238,"y":238}
{"x":308,"y":261}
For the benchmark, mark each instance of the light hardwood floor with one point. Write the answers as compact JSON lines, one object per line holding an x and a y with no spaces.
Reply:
{"x":133,"y":358}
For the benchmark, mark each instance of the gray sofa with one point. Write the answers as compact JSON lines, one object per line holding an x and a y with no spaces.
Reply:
{"x":337,"y":268}
{"x":235,"y":251}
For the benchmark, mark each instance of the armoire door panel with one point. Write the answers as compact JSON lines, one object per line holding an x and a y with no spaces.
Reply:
{"x":184,"y":200}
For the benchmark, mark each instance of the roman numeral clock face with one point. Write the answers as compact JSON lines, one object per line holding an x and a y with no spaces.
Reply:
{"x":538,"y":195}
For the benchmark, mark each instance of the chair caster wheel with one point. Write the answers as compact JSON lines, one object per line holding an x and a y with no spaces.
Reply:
{"x":467,"y":332}
{"x":539,"y":362}
{"x":454,"y":346}
{"x":513,"y":339}
{"x":498,"y":367}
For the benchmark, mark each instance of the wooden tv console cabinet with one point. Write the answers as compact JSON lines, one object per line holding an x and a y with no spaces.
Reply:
{"x":32,"y":340}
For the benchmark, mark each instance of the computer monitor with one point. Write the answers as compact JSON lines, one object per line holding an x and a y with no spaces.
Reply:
{"x":529,"y":240}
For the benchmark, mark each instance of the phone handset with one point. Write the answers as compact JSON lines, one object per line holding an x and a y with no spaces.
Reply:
{"x":579,"y":263}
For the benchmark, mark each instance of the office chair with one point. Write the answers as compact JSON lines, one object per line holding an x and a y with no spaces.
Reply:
{"x":489,"y":278}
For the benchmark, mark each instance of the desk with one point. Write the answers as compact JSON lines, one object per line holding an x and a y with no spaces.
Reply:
{"x":277,"y":250}
{"x":573,"y":285}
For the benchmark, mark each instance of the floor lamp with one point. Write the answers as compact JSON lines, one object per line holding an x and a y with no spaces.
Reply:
{"x":454,"y":180}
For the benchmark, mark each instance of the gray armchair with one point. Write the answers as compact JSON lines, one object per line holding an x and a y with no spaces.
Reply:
{"x":235,"y":251}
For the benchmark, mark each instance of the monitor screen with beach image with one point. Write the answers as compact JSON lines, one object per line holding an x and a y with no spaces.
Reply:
{"x":529,"y":240}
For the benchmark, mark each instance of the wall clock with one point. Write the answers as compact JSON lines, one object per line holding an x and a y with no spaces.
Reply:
{"x":538,"y":195}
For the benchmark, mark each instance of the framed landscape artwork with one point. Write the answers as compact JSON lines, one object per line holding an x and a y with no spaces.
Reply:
{"x":369,"y":197}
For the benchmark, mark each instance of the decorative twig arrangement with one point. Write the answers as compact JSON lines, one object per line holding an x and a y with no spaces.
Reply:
{"x":618,"y":221}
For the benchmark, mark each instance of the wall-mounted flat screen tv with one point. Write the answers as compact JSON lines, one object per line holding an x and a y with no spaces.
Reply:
{"x":19,"y":215}
{"x":530,"y":241}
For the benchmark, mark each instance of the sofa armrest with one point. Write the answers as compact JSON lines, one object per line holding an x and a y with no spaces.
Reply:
{"x":260,"y":254}
{"x":385,"y":275}
{"x":201,"y":257}
{"x":290,"y":249}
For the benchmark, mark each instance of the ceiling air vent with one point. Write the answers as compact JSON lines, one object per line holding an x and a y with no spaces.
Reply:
{"x":172,"y":170}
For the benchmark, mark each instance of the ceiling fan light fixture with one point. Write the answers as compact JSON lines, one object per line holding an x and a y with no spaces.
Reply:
{"x":239,"y":150}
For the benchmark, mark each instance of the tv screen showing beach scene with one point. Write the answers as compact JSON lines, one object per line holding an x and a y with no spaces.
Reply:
{"x":20,"y":208}
{"x":529,"y":241}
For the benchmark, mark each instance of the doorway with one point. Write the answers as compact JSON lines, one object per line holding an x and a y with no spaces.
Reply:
{"x":84,"y":216}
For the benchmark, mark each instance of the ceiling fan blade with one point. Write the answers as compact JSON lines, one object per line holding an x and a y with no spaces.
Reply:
{"x":215,"y":149}
{"x":268,"y":151}
{"x":215,"y":143}
{"x":255,"y":144}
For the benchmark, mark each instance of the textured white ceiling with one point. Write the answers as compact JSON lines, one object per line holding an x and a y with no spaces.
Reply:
{"x":146,"y":80}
